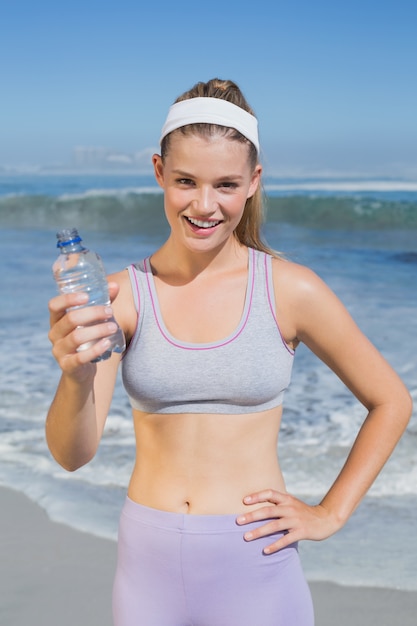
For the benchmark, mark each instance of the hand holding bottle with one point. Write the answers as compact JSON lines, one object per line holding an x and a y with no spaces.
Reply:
{"x":74,"y":324}
{"x":81,"y":317}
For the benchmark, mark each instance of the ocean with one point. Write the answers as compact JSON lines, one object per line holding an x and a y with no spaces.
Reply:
{"x":360,"y":236}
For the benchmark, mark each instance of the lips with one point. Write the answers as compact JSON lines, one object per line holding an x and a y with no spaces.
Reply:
{"x":205,"y":224}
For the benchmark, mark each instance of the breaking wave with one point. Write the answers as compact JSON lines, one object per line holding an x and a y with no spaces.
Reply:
{"x":141,"y":210}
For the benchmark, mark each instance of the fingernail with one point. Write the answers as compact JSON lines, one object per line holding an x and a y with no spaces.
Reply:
{"x":247,"y":499}
{"x":248,"y":536}
{"x":241,"y":519}
{"x":108,"y":310}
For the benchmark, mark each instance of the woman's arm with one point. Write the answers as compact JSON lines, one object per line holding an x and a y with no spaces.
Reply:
{"x":78,"y":413}
{"x":310,"y":312}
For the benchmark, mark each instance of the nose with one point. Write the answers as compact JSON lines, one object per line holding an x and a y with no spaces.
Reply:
{"x":204,"y":201}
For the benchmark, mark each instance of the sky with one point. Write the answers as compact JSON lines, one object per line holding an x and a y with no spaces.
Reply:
{"x":333,"y":84}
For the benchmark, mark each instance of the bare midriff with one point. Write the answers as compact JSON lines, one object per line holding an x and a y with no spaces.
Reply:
{"x":204,"y":464}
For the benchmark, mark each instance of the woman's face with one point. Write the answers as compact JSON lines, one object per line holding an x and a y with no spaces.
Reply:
{"x":206,"y":184}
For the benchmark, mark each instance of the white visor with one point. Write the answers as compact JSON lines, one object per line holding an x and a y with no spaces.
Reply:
{"x":211,"y":111}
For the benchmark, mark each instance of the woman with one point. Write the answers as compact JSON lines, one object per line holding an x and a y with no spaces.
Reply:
{"x":208,"y":534}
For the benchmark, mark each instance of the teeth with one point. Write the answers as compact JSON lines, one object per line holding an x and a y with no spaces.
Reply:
{"x":202,"y":224}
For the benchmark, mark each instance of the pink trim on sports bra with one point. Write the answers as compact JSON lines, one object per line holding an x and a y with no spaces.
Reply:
{"x":201,"y":346}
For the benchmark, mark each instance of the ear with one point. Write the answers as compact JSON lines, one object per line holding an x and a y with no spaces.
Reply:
{"x":158,"y":167}
{"x":255,"y":180}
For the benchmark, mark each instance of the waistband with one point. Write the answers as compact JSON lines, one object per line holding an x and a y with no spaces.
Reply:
{"x":182,"y":521}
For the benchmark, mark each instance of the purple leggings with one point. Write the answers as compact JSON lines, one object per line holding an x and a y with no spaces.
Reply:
{"x":197,"y":570}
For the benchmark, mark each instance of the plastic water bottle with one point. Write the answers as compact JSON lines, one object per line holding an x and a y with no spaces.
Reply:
{"x":80,"y":269}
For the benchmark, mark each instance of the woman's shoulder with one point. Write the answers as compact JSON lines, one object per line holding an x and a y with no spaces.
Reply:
{"x":122,"y":279}
{"x":299,"y":289}
{"x":309,"y":303}
{"x":294,"y":278}
{"x":123,"y":305}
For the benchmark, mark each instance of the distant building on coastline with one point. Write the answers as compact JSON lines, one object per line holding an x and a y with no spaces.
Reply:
{"x":97,"y":157}
{"x":89,"y":156}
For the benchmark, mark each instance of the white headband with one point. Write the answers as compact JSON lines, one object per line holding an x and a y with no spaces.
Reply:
{"x":211,"y":111}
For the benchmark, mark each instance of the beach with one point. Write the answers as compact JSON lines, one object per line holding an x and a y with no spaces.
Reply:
{"x":59,"y":529}
{"x":52,"y":575}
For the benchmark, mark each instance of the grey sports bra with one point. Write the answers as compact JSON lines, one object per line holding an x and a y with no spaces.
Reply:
{"x":246,"y":372}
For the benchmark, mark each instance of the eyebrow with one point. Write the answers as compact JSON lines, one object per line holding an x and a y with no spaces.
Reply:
{"x":236,"y":177}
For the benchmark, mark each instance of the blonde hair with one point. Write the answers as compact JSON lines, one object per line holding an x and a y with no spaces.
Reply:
{"x":248,"y":231}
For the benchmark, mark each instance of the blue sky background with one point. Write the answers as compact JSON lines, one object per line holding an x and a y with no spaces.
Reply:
{"x":334,"y":84}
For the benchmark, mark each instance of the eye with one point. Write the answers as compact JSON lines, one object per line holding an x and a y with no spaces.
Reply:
{"x":185,"y":181}
{"x":227,"y":184}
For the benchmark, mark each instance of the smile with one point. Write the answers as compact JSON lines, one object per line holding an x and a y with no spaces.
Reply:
{"x":203,"y":224}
